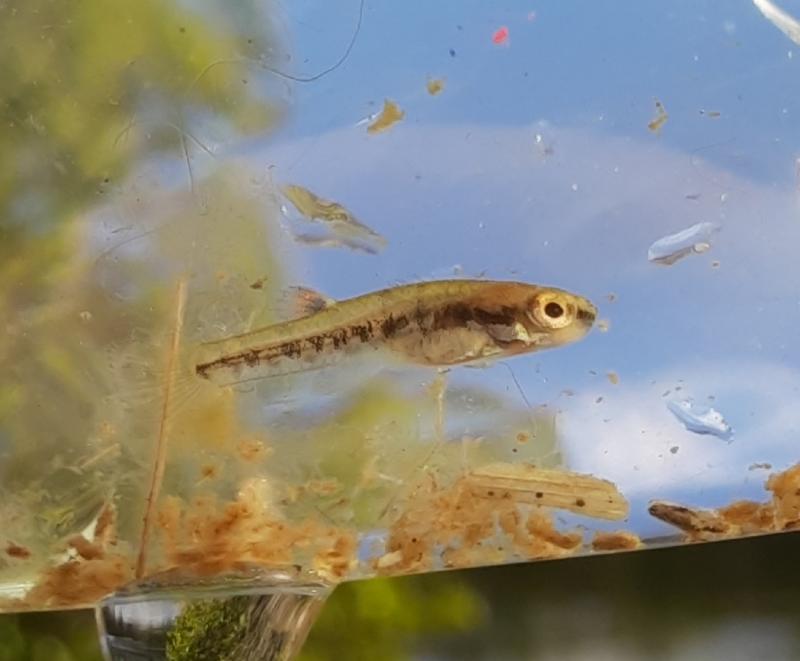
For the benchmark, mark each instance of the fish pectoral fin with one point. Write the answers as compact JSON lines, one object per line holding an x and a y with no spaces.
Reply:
{"x":298,"y":302}
{"x":505,"y":333}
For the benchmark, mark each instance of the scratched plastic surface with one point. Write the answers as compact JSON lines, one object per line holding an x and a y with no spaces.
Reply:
{"x":146,"y":154}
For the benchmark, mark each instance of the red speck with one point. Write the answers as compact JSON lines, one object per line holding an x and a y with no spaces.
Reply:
{"x":500,"y":36}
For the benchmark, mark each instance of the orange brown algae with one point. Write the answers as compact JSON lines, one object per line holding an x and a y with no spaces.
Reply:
{"x":494,"y":514}
{"x":741,"y":517}
{"x":619,"y":540}
{"x":252,"y":450}
{"x":17,"y":551}
{"x":86,"y":549}
{"x":86,"y":578}
{"x":208,"y":537}
{"x":336,"y":560}
{"x":79,"y":582}
{"x":208,"y":471}
{"x":785,"y":488}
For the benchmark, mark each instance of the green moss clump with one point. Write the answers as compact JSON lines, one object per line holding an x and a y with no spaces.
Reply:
{"x":209,"y":630}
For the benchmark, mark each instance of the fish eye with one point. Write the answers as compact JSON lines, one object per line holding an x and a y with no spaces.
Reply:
{"x":553,"y":310}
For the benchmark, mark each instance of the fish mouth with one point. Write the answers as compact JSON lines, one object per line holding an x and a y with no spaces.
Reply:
{"x":587,"y":315}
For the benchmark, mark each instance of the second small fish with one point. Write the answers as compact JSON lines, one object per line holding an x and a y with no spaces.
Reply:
{"x":439,"y":324}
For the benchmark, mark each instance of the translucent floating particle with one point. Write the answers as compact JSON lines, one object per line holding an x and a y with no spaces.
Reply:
{"x":695,"y":239}
{"x":701,"y":419}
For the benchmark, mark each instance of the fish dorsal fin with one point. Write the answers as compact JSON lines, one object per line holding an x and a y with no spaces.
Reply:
{"x":298,"y":302}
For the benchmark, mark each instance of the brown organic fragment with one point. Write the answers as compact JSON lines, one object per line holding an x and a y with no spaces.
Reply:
{"x":620,"y":540}
{"x":523,"y":483}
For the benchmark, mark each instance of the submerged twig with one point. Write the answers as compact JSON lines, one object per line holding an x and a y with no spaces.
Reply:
{"x":159,"y":459}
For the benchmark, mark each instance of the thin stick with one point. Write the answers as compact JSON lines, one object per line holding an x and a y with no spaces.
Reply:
{"x":159,"y":460}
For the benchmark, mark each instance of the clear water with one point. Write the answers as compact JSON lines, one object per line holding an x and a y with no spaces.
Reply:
{"x":142,"y":187}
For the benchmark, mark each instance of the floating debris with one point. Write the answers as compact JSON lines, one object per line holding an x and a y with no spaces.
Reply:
{"x":486,"y":517}
{"x":500,"y":36}
{"x":613,"y":378}
{"x":713,"y":114}
{"x":435,"y":85}
{"x":347,"y":230}
{"x":603,"y":325}
{"x":701,"y":419}
{"x":760,"y":466}
{"x":660,"y":119}
{"x":544,"y":148}
{"x":253,"y":450}
{"x":786,"y":23}
{"x":315,"y":241}
{"x":671,"y":248}
{"x":582,"y":494}
{"x":390,"y":115}
{"x":697,"y":523}
{"x":742,"y":517}
{"x":620,"y":540}
{"x":16,"y":551}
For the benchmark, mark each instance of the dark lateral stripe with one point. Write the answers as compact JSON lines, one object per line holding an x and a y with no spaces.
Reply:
{"x":336,"y":339}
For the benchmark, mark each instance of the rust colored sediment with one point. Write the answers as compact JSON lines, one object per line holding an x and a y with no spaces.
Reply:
{"x":741,"y":517}
{"x":620,"y":540}
{"x":159,"y":460}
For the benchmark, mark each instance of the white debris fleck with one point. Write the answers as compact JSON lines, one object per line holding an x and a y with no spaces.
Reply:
{"x":701,"y":419}
{"x":671,"y":248}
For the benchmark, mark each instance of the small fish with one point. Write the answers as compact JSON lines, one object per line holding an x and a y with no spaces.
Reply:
{"x":438,"y":324}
